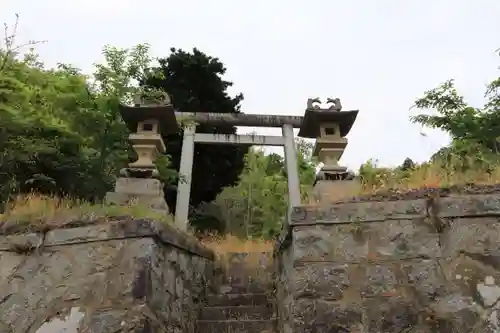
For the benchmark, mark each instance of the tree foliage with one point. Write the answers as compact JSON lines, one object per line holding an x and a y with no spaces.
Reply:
{"x":41,"y":148}
{"x":475,"y":132}
{"x":60,"y":132}
{"x":257,"y":205}
{"x":195,"y":84}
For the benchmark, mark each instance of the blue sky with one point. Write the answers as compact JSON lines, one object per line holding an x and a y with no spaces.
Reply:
{"x":376,"y":56}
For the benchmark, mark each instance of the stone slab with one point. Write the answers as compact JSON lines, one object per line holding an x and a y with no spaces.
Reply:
{"x":123,"y":199}
{"x":235,"y":326}
{"x":326,"y":190}
{"x":105,"y":231}
{"x":261,"y":312}
{"x":367,"y":211}
{"x":470,"y":205}
{"x":359,"y":212}
{"x":139,"y":186}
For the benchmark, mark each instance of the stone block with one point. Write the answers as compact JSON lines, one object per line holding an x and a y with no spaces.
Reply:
{"x":491,"y":324}
{"x":328,"y":243}
{"x":467,"y":206}
{"x":426,"y":280}
{"x":359,"y":242}
{"x":403,"y":239}
{"x":328,"y":191}
{"x":389,"y":315}
{"x":139,"y":186}
{"x":472,"y":276}
{"x":455,"y":313}
{"x":136,"y":319}
{"x":235,"y":326}
{"x":9,"y":263}
{"x":20,"y":242}
{"x":123,"y":199}
{"x":380,"y":280}
{"x":471,"y":235}
{"x":323,"y":280}
{"x":322,"y":316}
{"x":359,"y":212}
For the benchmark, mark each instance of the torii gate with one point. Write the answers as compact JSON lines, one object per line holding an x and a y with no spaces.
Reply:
{"x":148,"y":120}
{"x":286,"y":140}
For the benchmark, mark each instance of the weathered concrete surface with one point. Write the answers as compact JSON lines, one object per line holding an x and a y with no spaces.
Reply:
{"x":423,"y":265}
{"x":122,"y":276}
{"x":145,"y":191}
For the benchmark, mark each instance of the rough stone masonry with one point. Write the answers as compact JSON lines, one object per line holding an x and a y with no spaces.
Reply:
{"x":123,"y":276}
{"x":422,"y":265}
{"x":413,"y":266}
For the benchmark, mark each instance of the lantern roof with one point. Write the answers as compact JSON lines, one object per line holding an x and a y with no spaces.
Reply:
{"x":143,"y":109}
{"x":315,"y":117}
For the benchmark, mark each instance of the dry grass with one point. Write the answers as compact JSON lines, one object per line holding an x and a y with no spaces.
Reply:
{"x":222,"y":245}
{"x":424,"y":176}
{"x":225,"y":246}
{"x":435,"y":176}
{"x":49,"y":212}
{"x":256,"y":251}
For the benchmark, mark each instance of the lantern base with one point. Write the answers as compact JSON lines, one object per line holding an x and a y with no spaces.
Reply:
{"x":327,"y":191}
{"x":333,"y":183}
{"x":143,"y":173}
{"x":334,"y":173}
{"x":141,"y":191}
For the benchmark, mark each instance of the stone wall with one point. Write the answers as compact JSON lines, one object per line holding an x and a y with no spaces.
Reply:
{"x":121,"y":276}
{"x":421,"y":265}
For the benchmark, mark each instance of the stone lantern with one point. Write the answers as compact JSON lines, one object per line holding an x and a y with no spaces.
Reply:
{"x":148,"y":120}
{"x":328,"y":126}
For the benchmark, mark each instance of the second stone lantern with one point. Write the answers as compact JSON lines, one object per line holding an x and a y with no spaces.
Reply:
{"x":148,"y":120}
{"x":329,"y":126}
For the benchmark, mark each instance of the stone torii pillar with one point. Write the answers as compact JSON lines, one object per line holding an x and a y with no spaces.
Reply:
{"x":286,"y":140}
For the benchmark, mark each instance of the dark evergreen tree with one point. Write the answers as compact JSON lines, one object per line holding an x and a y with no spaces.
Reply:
{"x":195,"y":84}
{"x":408,"y":164}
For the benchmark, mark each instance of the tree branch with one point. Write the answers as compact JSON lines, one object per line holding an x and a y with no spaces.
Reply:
{"x":10,"y":49}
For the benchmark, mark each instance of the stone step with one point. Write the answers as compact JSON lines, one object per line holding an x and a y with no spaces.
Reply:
{"x":236,"y":312}
{"x":251,"y":288}
{"x":260,"y":278}
{"x":235,"y":326}
{"x":255,"y":263}
{"x":237,"y":299}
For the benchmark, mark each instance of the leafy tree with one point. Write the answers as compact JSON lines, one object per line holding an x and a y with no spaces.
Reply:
{"x":307,"y":163}
{"x":59,"y":130}
{"x":408,"y":164}
{"x":114,"y":82}
{"x":275,"y":164}
{"x":473,"y":130}
{"x":39,"y":149}
{"x":373,"y":176}
{"x":257,"y":205}
{"x":195,"y":84}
